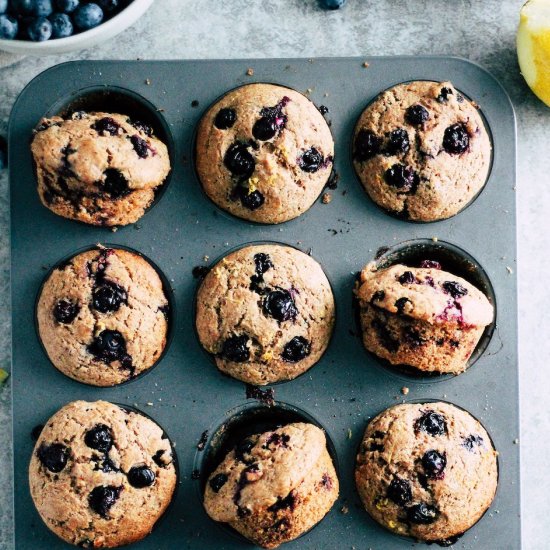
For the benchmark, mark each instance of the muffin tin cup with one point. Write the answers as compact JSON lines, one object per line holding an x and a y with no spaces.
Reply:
{"x":452,"y":259}
{"x":168,"y":292}
{"x":236,"y":425}
{"x":396,"y":215}
{"x":457,"y":538}
{"x":116,"y":99}
{"x":213,"y":264}
{"x":189,"y":395}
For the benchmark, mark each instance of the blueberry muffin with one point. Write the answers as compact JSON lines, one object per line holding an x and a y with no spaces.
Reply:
{"x":421,"y":150}
{"x":264,"y":153}
{"x":98,"y":168}
{"x":101,"y":476}
{"x":427,"y":471}
{"x":275,"y":486}
{"x":266,"y":313}
{"x":102,"y":316}
{"x":421,"y":317}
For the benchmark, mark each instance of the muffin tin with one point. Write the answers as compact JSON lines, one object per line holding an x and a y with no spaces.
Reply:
{"x":186,"y":394}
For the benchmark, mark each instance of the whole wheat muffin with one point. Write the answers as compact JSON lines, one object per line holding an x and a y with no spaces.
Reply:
{"x":428,"y":471}
{"x":102,"y":316}
{"x":101,"y":476}
{"x":264,"y":153}
{"x":421,"y":317}
{"x":266,"y":313}
{"x":421,"y":150}
{"x":275,"y":486}
{"x":98,"y":168}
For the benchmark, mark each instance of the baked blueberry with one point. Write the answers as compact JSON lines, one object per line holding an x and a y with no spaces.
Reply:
{"x":102,"y":499}
{"x":251,"y":200}
{"x":444,"y":94}
{"x":399,"y":491}
{"x":311,"y":160}
{"x":100,"y":438}
{"x":398,"y":142}
{"x":430,"y":264}
{"x":108,"y":297}
{"x":401,"y":177}
{"x":432,"y":423}
{"x":243,"y":448}
{"x":106,"y":125}
{"x":225,"y":118}
{"x":235,"y":348}
{"x":217,"y":482}
{"x":272,"y":121}
{"x":456,"y":290}
{"x":280,"y":305}
{"x":297,"y":349}
{"x":88,"y":16}
{"x":367,"y":145}
{"x":239,"y":161}
{"x":262,"y":262}
{"x":54,"y":457}
{"x":434,"y":464}
{"x":422,"y":513}
{"x":115,"y":183}
{"x":401,"y":304}
{"x":65,"y":311}
{"x":141,"y":126}
{"x":141,"y":147}
{"x":140,"y":477}
{"x":456,"y":139}
{"x":416,"y":115}
{"x":472,"y":441}
{"x":109,"y":346}
{"x":407,"y":277}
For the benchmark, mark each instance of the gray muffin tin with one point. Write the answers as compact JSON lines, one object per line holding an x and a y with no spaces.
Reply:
{"x":185,"y":393}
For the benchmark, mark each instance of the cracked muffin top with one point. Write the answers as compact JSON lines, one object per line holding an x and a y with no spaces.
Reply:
{"x":266,"y":313}
{"x":421,"y":150}
{"x":98,"y":168}
{"x":102,"y":316}
{"x":426,"y":470}
{"x":101,"y":476}
{"x":264,"y":153}
{"x":427,"y":294}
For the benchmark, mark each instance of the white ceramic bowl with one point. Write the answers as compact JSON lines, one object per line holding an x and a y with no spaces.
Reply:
{"x":128,"y":16}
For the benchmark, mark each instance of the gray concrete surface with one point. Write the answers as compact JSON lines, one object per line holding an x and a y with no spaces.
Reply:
{"x":480,"y":30}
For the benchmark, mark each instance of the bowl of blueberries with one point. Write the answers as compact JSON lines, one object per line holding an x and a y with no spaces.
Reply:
{"x":40,"y":27}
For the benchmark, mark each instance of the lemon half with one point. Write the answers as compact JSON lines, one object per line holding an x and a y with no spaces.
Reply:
{"x":533,"y":43}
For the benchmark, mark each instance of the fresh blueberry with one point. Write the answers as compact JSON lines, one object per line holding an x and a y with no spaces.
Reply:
{"x":225,"y":118}
{"x":109,"y":346}
{"x":108,"y":6}
{"x":100,"y":438}
{"x":40,"y":30}
{"x":311,"y":160}
{"x":456,"y":139}
{"x":54,"y":457}
{"x":62,"y":25}
{"x":102,"y":498}
{"x":332,"y":4}
{"x":422,"y":514}
{"x":66,"y":6}
{"x":239,"y":161}
{"x":416,"y":115}
{"x":8,"y":27}
{"x":88,"y":16}
{"x":402,"y":177}
{"x":106,"y":125}
{"x":140,"y":477}
{"x":297,"y":349}
{"x":3,"y":6}
{"x":65,"y":311}
{"x":434,"y":464}
{"x":42,"y":8}
{"x":367,"y":145}
{"x":235,"y":348}
{"x":407,"y":277}
{"x":432,"y":423}
{"x":398,"y":142}
{"x":456,"y":290}
{"x":399,"y":491}
{"x":22,"y":7}
{"x":280,"y":305}
{"x":115,"y":183}
{"x":217,"y":482}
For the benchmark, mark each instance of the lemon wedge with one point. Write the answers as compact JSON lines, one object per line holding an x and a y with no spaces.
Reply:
{"x":533,"y":43}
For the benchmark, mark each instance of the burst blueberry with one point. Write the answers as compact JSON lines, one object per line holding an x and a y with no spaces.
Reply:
{"x":280,"y":305}
{"x":106,"y":125}
{"x":297,"y":349}
{"x":108,"y":297}
{"x":422,"y":513}
{"x":399,"y":491}
{"x":398,"y":142}
{"x":141,"y":477}
{"x":455,"y":289}
{"x":416,"y":115}
{"x":115,"y":183}
{"x":109,"y":346}
{"x":311,"y":160}
{"x":434,"y":464}
{"x":100,"y":438}
{"x":235,"y":348}
{"x":401,"y":177}
{"x":54,"y":457}
{"x":456,"y":139}
{"x":225,"y":118}
{"x":217,"y":482}
{"x":367,"y":145}
{"x":65,"y":311}
{"x":102,"y":499}
{"x":432,"y":423}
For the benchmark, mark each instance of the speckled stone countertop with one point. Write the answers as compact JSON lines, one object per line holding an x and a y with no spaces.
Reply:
{"x":483,"y":31}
